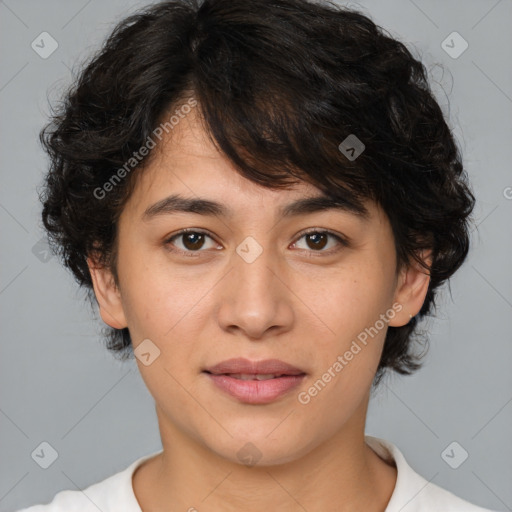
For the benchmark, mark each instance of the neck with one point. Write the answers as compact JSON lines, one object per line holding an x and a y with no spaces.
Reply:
{"x":342,"y":474}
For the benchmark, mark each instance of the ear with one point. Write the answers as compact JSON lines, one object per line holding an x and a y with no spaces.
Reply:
{"x":107,"y":295}
{"x":411,"y":290}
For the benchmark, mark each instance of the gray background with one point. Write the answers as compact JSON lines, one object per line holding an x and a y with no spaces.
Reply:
{"x":59,"y":385}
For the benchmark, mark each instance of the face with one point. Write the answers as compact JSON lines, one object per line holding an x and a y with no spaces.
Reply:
{"x":252,"y":283}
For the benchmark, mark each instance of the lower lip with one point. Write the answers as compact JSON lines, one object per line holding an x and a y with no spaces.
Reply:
{"x":256,"y":391}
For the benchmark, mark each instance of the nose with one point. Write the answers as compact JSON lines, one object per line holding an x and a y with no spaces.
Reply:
{"x":255,"y":300}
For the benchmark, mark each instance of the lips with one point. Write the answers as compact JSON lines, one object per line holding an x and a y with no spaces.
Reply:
{"x":255,"y":382}
{"x":245,"y":369}
{"x":251,"y":376}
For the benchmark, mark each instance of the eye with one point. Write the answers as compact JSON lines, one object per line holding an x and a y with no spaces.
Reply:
{"x":192,"y":240}
{"x":316,"y":240}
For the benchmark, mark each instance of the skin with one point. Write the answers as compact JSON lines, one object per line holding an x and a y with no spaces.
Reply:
{"x":293,"y":303}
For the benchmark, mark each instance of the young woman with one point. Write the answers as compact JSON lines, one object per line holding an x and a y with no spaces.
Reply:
{"x":263,"y":197}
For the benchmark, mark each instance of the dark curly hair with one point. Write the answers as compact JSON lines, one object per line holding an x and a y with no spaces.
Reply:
{"x":279,"y":84}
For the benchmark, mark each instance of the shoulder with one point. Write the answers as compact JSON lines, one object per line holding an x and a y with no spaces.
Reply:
{"x":412,"y":492}
{"x":109,"y":495}
{"x":437,"y":498}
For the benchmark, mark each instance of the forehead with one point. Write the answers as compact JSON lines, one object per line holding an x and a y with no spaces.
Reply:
{"x":187,"y":157}
{"x":188,"y":173}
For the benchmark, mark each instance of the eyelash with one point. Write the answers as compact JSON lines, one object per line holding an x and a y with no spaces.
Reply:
{"x":342,"y":241}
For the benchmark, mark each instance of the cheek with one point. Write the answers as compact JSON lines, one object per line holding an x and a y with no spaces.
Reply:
{"x":347,"y":329}
{"x":168,"y":309}
{"x":350,"y":299}
{"x":156,"y":298}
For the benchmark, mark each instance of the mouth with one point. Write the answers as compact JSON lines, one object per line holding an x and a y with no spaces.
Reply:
{"x":246,"y":369}
{"x":256,"y":376}
{"x":258,"y":382}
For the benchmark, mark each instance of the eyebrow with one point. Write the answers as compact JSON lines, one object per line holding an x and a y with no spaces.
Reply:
{"x":179,"y":204}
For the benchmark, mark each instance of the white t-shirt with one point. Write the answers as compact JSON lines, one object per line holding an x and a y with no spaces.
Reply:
{"x":412,"y":492}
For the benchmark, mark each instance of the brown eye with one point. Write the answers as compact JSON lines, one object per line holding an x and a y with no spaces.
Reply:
{"x":317,"y":241}
{"x":193,"y":241}
{"x":189,"y":242}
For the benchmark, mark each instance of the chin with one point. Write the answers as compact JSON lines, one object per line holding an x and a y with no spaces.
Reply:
{"x":254,"y":447}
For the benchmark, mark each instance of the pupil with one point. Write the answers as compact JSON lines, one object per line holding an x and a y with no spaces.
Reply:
{"x":318,"y":243}
{"x":189,"y":242}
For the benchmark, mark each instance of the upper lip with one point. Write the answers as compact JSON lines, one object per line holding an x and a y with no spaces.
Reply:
{"x":245,"y":366}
